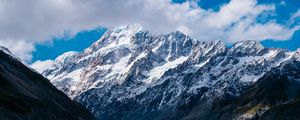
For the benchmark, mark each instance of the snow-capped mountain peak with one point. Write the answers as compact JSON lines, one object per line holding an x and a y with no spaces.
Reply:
{"x":249,"y":47}
{"x":127,"y":29}
{"x":65,"y":57}
{"x":128,"y":66}
{"x":296,"y":54}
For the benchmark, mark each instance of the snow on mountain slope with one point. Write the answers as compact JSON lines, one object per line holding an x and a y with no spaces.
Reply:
{"x":143,"y":73}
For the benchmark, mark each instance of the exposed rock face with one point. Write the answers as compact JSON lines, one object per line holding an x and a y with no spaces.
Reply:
{"x":27,"y":95}
{"x":274,"y":96}
{"x":133,"y":74}
{"x":287,"y":101}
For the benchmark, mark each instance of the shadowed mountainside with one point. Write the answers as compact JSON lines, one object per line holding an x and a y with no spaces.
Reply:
{"x":27,"y":95}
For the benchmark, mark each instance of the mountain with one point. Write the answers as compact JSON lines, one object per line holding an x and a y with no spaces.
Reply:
{"x":132,"y":74}
{"x":27,"y":95}
{"x":290,"y":109}
{"x":274,"y":96}
{"x":279,"y":89}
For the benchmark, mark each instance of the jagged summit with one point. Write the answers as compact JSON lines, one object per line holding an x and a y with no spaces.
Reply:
{"x":248,"y":43}
{"x":133,"y":28}
{"x":247,"y":47}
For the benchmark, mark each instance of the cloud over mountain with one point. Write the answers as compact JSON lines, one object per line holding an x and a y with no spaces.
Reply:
{"x":30,"y":22}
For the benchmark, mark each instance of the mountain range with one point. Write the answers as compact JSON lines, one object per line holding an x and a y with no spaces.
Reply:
{"x":132,"y":74}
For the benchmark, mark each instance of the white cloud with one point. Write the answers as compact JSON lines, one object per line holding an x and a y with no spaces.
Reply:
{"x":270,"y":30}
{"x":19,"y":48}
{"x":37,"y":21}
{"x":282,"y":3}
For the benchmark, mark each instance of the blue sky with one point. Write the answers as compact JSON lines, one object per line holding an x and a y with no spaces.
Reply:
{"x":83,"y":39}
{"x":61,"y":45}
